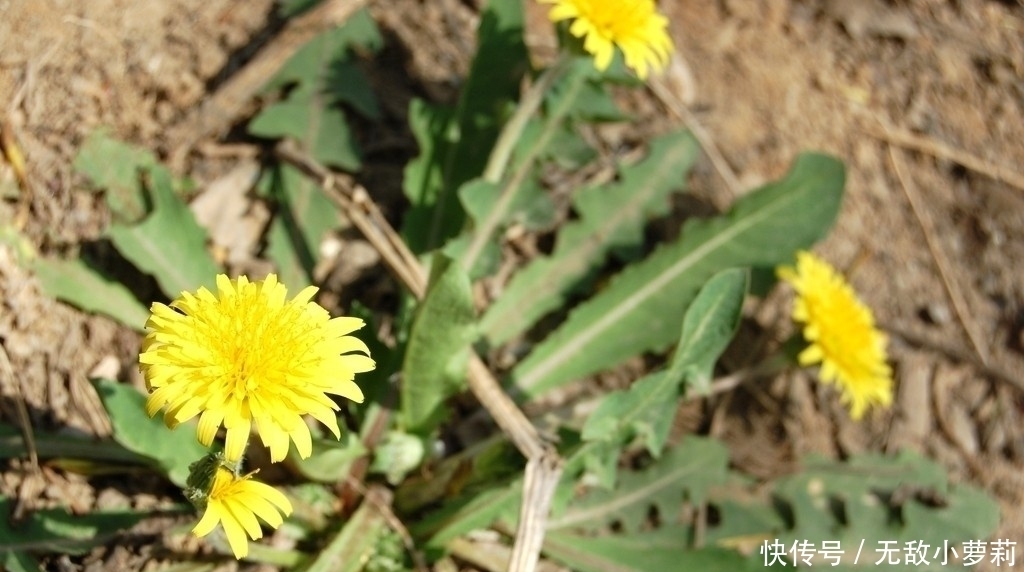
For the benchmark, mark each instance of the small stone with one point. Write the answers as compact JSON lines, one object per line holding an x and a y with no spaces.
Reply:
{"x":937,"y":313}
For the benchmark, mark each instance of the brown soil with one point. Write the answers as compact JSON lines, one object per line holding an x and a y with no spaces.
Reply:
{"x":765,"y":79}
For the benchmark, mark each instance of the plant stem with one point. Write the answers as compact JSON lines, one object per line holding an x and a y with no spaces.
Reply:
{"x":502,"y":154}
{"x":513,"y":130}
{"x":771,"y":364}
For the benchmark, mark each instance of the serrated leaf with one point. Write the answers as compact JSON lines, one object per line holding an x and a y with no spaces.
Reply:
{"x":642,"y":306}
{"x":346,"y":83}
{"x":115,"y":168}
{"x":663,"y":549}
{"x":304,"y":216}
{"x":84,"y":287}
{"x":435,"y":358}
{"x":308,"y":64}
{"x":322,"y":129}
{"x":168,"y":244}
{"x":708,"y":327}
{"x":863,"y":487}
{"x":685,"y":472}
{"x":172,"y":450}
{"x":326,"y":78}
{"x":56,"y":530}
{"x":610,"y":216}
{"x":645,"y":410}
{"x":491,"y":87}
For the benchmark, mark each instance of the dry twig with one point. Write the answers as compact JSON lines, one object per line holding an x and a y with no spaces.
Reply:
{"x":544,"y":465}
{"x":941,"y":262}
{"x":679,"y":109}
{"x":908,"y":140}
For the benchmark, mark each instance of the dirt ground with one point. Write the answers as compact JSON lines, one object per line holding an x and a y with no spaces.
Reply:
{"x":923,"y":99}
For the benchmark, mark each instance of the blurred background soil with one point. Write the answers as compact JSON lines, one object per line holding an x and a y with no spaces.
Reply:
{"x":923,"y":100}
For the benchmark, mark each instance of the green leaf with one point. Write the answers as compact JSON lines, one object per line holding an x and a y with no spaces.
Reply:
{"x":479,"y":466}
{"x":530,"y":206}
{"x":708,"y":327}
{"x":645,"y":410}
{"x":663,"y":549}
{"x":168,"y":244}
{"x":491,"y":87}
{"x":331,"y":460}
{"x":642,"y":306}
{"x":56,"y":530}
{"x":685,"y":472}
{"x":610,"y":216}
{"x":423,"y":180}
{"x":325,"y":78}
{"x":466,"y":513}
{"x":492,"y":206}
{"x":18,"y":561}
{"x":172,"y":450}
{"x":54,"y":445}
{"x":323,"y":130}
{"x":84,"y":287}
{"x":354,"y":543}
{"x":115,"y":168}
{"x":304,"y":216}
{"x":348,"y":84}
{"x":435,"y":359}
{"x":22,"y":249}
{"x":397,"y":454}
{"x":865,"y":488}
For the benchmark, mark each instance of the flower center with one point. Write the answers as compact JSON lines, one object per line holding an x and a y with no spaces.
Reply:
{"x":249,"y":351}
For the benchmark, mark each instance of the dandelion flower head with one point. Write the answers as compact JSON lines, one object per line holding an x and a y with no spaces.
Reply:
{"x":235,"y":502}
{"x":841,"y":334}
{"x":635,"y":26}
{"x":246,"y":357}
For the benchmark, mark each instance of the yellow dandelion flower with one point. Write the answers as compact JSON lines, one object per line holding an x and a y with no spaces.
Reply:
{"x":235,"y":502}
{"x":635,"y":26}
{"x":247,"y":357}
{"x":841,"y":334}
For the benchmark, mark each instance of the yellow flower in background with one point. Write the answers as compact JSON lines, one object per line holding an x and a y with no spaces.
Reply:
{"x":245,"y":357}
{"x":635,"y":26}
{"x":841,"y":334}
{"x":235,"y":502}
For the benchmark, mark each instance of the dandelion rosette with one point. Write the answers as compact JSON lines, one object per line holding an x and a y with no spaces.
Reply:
{"x":247,"y":357}
{"x":235,"y":502}
{"x":841,"y":334}
{"x":635,"y":26}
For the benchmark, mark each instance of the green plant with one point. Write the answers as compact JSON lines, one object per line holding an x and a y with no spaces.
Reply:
{"x":600,"y":297}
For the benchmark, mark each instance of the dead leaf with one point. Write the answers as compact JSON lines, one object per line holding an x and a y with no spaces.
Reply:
{"x":232,"y":219}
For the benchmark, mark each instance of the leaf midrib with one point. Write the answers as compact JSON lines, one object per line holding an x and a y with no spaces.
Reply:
{"x":573,"y":346}
{"x":581,"y":252}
